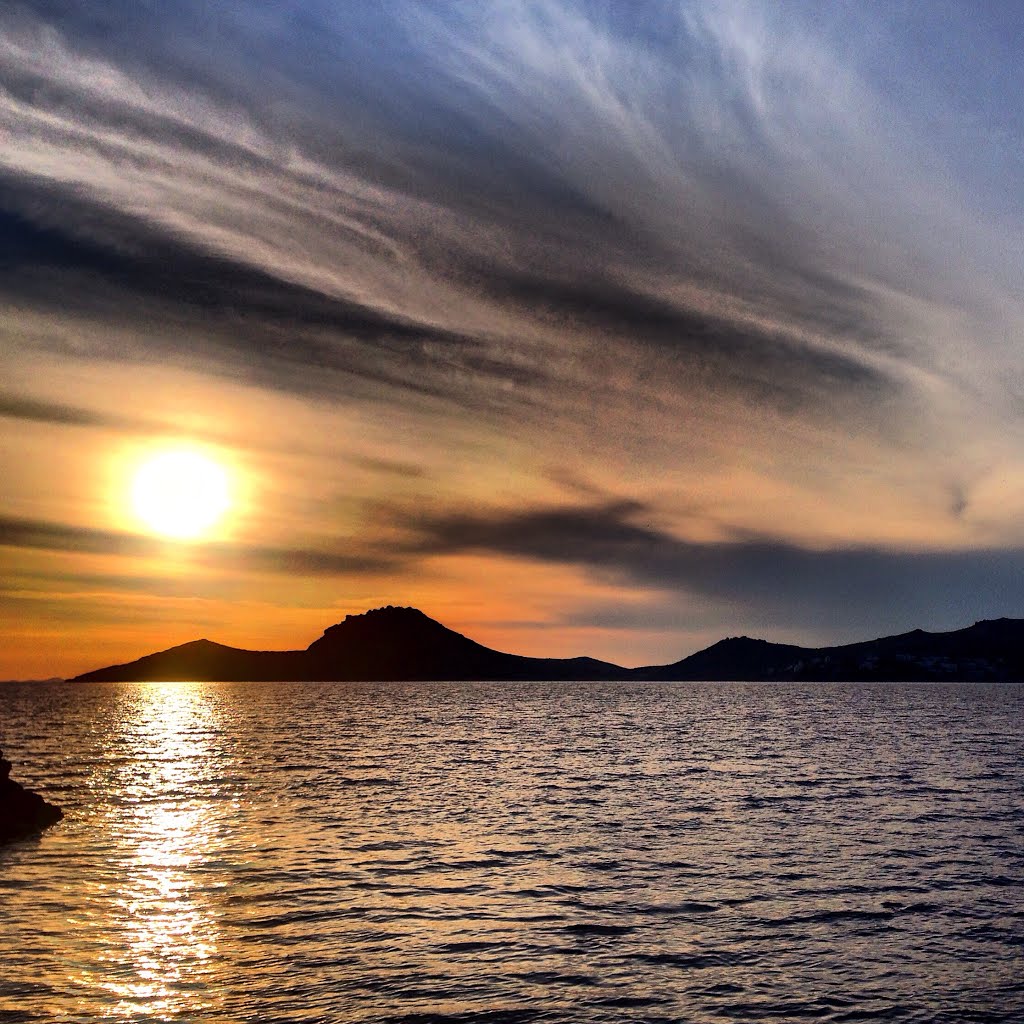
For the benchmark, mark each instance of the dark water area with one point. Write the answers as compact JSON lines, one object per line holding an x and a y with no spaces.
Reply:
{"x":467,"y":853}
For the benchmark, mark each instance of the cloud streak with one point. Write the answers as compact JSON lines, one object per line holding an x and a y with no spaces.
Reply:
{"x":782,"y":584}
{"x":304,"y":247}
{"x":239,"y":558}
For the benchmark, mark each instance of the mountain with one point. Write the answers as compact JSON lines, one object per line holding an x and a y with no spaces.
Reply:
{"x":33,"y":682}
{"x":991,"y":650}
{"x":404,"y":644}
{"x":384,"y":644}
{"x":204,"y":660}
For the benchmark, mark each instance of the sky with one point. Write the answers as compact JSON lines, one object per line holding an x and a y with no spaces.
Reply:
{"x":585,"y":327}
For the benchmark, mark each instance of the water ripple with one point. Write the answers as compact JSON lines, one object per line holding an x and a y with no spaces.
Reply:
{"x":503,"y":853}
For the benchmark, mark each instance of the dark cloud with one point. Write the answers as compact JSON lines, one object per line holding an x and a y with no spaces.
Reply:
{"x":310,"y":561}
{"x":20,"y":407}
{"x":24,"y":407}
{"x":30,"y":582}
{"x":782,"y":584}
{"x":390,"y":467}
{"x":107,"y":267}
{"x":726,"y":348}
{"x":106,"y":255}
{"x":959,"y":501}
{"x":33,"y":410}
{"x":48,"y":536}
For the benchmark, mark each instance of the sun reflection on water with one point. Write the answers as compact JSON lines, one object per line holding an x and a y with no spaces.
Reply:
{"x":161,"y":898}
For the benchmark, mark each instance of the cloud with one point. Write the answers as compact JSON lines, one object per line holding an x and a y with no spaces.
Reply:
{"x":22,"y":407}
{"x":60,"y":537}
{"x":426,"y":233}
{"x":32,"y":533}
{"x":390,"y":467}
{"x":776,"y":583}
{"x":285,"y":335}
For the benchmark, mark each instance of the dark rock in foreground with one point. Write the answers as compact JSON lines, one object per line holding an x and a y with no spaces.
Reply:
{"x":22,"y":812}
{"x":404,"y":644}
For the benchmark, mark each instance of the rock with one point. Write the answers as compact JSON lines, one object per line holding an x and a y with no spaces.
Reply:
{"x":22,"y":812}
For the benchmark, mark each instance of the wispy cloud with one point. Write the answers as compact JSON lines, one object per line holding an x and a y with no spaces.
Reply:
{"x":557,"y":162}
{"x":346,"y":558}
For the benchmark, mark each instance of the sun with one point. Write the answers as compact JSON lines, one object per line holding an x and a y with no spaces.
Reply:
{"x":180,"y":494}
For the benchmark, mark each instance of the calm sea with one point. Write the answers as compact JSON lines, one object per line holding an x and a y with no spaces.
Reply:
{"x":517,"y":852}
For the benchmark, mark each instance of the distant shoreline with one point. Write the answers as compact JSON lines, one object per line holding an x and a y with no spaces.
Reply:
{"x":405,"y":645}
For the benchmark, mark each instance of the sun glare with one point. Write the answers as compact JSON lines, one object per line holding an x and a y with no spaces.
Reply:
{"x":180,"y":494}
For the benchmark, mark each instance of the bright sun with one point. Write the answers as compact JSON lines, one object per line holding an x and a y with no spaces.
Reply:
{"x":180,"y":494}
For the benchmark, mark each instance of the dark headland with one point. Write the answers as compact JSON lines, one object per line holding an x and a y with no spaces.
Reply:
{"x":399,"y":644}
{"x":22,"y":812}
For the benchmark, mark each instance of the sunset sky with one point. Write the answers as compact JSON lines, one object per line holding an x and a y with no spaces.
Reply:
{"x":588,"y":328}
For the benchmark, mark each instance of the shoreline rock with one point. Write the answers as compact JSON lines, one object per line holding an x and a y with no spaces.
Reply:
{"x":22,"y":812}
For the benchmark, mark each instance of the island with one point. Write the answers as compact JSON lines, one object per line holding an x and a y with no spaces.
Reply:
{"x":404,"y":644}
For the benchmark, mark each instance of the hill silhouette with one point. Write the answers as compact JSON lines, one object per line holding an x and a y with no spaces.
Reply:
{"x":991,"y":650}
{"x":404,"y":644}
{"x":384,"y":644}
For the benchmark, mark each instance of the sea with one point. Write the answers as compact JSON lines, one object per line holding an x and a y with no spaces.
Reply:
{"x":489,"y":853}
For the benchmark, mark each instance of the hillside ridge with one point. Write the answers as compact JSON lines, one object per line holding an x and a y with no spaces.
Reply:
{"x":403,"y":643}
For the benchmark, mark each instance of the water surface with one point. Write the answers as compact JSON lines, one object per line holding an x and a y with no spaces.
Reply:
{"x":517,"y":852}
